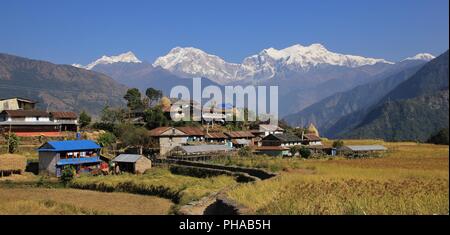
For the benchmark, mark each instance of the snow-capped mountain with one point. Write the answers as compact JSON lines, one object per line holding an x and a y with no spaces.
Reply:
{"x":267,"y":64}
{"x":421,"y":56}
{"x":194,"y":62}
{"x":127,"y":57}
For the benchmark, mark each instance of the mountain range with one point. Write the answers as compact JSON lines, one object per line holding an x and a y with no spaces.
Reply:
{"x":410,"y":105}
{"x":305,"y":74}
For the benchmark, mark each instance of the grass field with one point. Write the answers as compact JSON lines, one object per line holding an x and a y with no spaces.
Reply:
{"x":45,"y":201}
{"x":410,"y":179}
{"x":180,"y":189}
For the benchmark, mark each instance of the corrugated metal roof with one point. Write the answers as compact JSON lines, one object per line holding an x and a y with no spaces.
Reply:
{"x":286,"y":137}
{"x":190,"y":130}
{"x":240,"y":134}
{"x":216,"y":135}
{"x":365,"y":147}
{"x":268,"y":127}
{"x":203,"y":148}
{"x":127,"y":158}
{"x":68,"y":145}
{"x":241,"y":141}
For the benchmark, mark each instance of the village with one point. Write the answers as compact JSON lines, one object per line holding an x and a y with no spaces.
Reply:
{"x":65,"y":162}
{"x":66,"y":141}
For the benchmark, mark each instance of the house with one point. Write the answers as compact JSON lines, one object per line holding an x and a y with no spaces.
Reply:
{"x":132,"y":163}
{"x":27,"y":121}
{"x":16,"y":103}
{"x":67,"y":121}
{"x":37,"y":122}
{"x":241,"y":138}
{"x":216,"y":137}
{"x":267,"y":129}
{"x":274,"y":151}
{"x":166,"y":138}
{"x":190,"y":150}
{"x":361,"y":150}
{"x":83,"y":155}
{"x":283,"y":140}
{"x":311,"y":139}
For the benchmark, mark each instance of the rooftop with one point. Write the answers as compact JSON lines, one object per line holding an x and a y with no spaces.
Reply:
{"x":127,"y":158}
{"x":68,"y":145}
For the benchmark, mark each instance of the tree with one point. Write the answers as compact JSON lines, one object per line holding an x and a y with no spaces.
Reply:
{"x":133,"y":98}
{"x":442,"y":137}
{"x":155,"y":117}
{"x":134,"y":136}
{"x":304,"y":152}
{"x":153,"y":95}
{"x":84,"y":119}
{"x":13,"y":142}
{"x":338,"y":144}
{"x":106,"y":139}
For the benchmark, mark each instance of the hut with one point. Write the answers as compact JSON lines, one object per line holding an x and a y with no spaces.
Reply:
{"x":132,"y":163}
{"x":12,"y":164}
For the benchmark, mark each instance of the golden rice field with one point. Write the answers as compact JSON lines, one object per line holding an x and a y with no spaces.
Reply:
{"x":157,"y":181}
{"x":410,"y":179}
{"x":45,"y":201}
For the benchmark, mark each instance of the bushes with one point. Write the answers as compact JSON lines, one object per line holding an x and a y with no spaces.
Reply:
{"x":245,"y":152}
{"x":304,"y":152}
{"x":440,"y":138}
{"x":67,"y":174}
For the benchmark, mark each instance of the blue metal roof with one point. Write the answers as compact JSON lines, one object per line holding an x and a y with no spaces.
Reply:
{"x":68,"y":145}
{"x":78,"y":161}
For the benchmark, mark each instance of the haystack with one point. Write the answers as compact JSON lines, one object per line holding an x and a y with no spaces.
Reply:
{"x":12,"y":164}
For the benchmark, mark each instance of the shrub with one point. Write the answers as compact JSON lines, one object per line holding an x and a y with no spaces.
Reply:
{"x":67,"y":174}
{"x":304,"y":152}
{"x":84,"y":119}
{"x":245,"y":152}
{"x":106,"y":139}
{"x":338,"y":143}
{"x":440,"y":138}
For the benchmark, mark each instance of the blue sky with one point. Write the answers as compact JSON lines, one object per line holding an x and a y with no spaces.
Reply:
{"x":81,"y":31}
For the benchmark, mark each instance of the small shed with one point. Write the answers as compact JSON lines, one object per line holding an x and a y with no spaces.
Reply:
{"x":133,"y":163}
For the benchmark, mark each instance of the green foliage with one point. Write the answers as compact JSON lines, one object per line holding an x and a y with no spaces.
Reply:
{"x":132,"y":135}
{"x":338,"y":143}
{"x":304,"y":152}
{"x":112,"y":115}
{"x":293,"y":150}
{"x":84,"y":119}
{"x":133,"y":98}
{"x":67,"y":174}
{"x":245,"y":152}
{"x":13,"y":142}
{"x":106,"y":139}
{"x":154,"y":117}
{"x":440,"y":138}
{"x":153,"y":95}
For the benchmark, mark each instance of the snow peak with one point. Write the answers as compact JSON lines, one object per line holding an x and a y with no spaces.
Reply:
{"x":191,"y":225}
